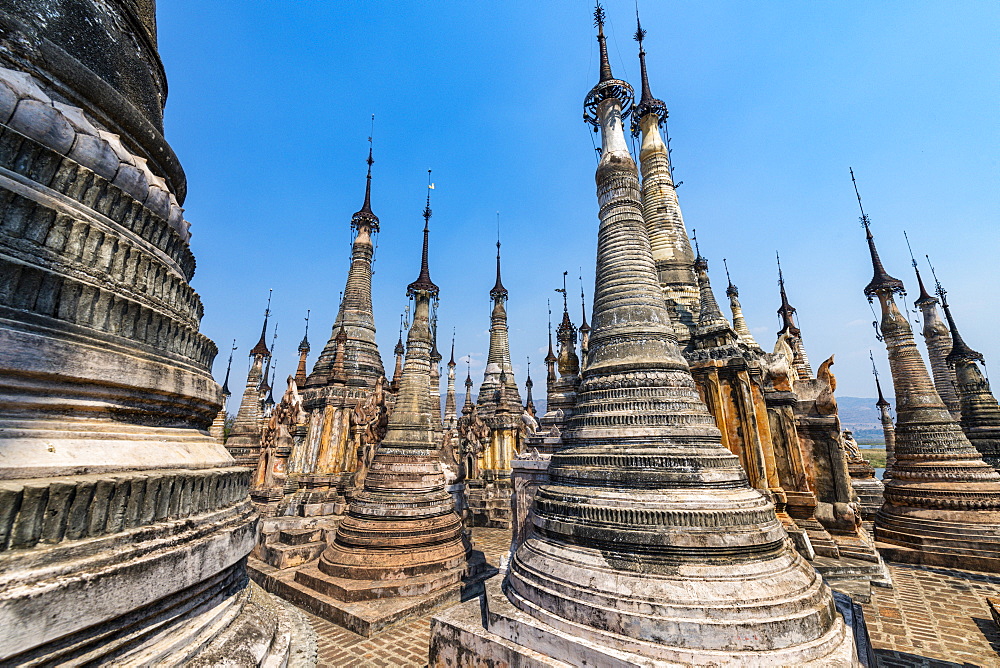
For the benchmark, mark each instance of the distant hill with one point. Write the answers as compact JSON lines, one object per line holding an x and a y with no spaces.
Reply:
{"x":860,"y":415}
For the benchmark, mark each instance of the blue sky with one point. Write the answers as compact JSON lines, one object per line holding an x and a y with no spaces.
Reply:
{"x":269,"y":110}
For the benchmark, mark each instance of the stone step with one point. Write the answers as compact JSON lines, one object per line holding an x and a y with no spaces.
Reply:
{"x":347,"y":590}
{"x":283,"y":556}
{"x":300,"y":536}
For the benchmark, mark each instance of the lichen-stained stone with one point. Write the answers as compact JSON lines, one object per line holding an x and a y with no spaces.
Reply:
{"x":124,"y":527}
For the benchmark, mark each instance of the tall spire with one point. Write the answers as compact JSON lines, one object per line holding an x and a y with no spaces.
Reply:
{"x":647,"y":103}
{"x":608,"y":87}
{"x":399,"y":351}
{"x":786,"y":310}
{"x":424,"y":281}
{"x":881,"y":280}
{"x":888,"y":428}
{"x":713,"y":329}
{"x":498,"y":378}
{"x":739,"y":322}
{"x":569,"y":363}
{"x":584,"y":327}
{"x":300,"y":371}
{"x":498,"y":291}
{"x":661,"y":209}
{"x":960,"y":350}
{"x":229,"y":366}
{"x":435,"y":377}
{"x":265,"y":385}
{"x":450,"y":407}
{"x":924,"y":297}
{"x":937,"y":339}
{"x":468,"y":405}
{"x":404,"y":521}
{"x":941,"y":505}
{"x":645,"y":492}
{"x":529,"y":402}
{"x":602,"y":42}
{"x":788,"y":328}
{"x":362,"y":363}
{"x":261,"y":347}
{"x":244,"y":437}
{"x":550,"y":357}
{"x":366,"y":208}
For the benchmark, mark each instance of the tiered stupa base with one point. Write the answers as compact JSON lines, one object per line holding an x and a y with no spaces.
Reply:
{"x":366,"y":607}
{"x":968,"y":539}
{"x":493,"y":627}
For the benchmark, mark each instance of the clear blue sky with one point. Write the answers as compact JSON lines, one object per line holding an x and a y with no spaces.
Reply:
{"x":269,"y":110}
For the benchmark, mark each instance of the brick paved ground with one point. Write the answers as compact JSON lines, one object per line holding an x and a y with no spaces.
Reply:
{"x":932,"y":617}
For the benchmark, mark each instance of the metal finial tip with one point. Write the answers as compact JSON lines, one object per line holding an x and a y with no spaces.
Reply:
{"x":598,"y":16}
{"x":640,"y":34}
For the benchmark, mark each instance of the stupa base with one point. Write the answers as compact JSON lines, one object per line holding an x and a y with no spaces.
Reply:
{"x":932,"y":556}
{"x":939,"y":538}
{"x":492,"y":627}
{"x":317,"y":592}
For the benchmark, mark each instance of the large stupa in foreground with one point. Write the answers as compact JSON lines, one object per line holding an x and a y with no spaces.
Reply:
{"x":648,"y":545}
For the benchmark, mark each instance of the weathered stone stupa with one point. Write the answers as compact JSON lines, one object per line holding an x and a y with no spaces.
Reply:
{"x":937,"y":338}
{"x":784,"y":428}
{"x":888,"y":428}
{"x":498,"y":406}
{"x":344,"y":376}
{"x":648,"y":543}
{"x":401,"y":549}
{"x":661,"y":211}
{"x":244,"y":439}
{"x":124,"y":525}
{"x":942,"y":503}
{"x":979,"y":409}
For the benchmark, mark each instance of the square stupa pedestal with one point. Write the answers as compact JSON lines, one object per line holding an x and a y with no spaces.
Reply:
{"x":322,"y":595}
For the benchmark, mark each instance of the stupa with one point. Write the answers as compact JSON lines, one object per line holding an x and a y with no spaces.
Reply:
{"x":648,"y":544}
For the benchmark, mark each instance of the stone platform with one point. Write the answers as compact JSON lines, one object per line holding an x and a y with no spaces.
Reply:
{"x":335,"y":599}
{"x":932,"y":617}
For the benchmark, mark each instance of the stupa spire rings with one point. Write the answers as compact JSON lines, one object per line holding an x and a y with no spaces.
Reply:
{"x":647,"y":103}
{"x":424,"y":282}
{"x":608,"y":87}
